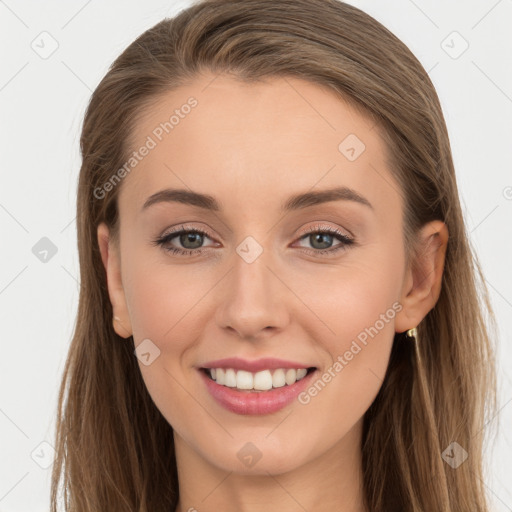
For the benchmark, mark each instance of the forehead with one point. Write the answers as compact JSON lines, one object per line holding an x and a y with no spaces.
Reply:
{"x":254,"y":144}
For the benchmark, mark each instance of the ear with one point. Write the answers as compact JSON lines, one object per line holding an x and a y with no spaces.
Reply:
{"x":111,"y":262}
{"x":423,"y":279}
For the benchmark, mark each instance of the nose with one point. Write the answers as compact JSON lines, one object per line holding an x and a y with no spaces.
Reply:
{"x":253,"y":300}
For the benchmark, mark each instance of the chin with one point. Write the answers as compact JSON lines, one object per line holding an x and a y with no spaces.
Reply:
{"x":256,"y":458}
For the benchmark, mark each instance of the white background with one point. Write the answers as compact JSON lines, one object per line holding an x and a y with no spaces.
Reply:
{"x":42,"y":104}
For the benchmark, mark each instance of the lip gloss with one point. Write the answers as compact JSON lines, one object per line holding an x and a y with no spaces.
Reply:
{"x":255,"y":402}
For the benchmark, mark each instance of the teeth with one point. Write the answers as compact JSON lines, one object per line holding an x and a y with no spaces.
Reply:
{"x":301,"y":372}
{"x":263,"y":380}
{"x":259,"y":381}
{"x":244,"y":380}
{"x":220,"y":376}
{"x":230,"y":378}
{"x":278,"y":379}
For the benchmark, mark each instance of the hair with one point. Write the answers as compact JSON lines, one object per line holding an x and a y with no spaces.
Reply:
{"x":115,"y":450}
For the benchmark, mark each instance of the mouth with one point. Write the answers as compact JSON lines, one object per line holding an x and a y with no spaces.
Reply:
{"x":256,"y":382}
{"x":232,"y":396}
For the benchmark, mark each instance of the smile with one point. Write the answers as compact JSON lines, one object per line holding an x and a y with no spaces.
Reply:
{"x":250,"y":401}
{"x":258,"y":381}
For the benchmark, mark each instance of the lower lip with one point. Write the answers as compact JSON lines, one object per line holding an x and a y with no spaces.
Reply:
{"x":263,"y":402}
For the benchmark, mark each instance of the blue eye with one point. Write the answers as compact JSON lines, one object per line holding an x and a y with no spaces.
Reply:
{"x":192,"y":239}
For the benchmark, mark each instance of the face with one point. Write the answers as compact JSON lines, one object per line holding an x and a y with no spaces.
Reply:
{"x":319,"y":282}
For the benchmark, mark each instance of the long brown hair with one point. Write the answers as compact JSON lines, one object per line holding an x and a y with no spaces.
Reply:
{"x":115,"y":450}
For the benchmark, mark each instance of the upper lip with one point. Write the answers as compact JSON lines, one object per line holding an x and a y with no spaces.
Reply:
{"x":266,"y":363}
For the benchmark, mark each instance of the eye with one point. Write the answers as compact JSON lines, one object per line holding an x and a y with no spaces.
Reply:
{"x":190,"y":239}
{"x":321,"y":238}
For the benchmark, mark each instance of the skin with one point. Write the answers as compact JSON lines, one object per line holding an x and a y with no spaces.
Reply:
{"x":251,"y":146}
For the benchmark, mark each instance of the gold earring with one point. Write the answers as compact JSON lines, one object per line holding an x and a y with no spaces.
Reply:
{"x":412,"y":334}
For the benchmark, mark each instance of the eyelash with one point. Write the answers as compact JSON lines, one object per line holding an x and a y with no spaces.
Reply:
{"x":346,"y":241}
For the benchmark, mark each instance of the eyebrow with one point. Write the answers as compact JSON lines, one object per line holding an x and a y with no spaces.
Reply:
{"x":295,"y":202}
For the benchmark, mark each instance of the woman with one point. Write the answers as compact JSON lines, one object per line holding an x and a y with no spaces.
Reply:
{"x":279,"y":305}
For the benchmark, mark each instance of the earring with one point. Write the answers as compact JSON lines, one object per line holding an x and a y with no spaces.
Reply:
{"x":412,"y":334}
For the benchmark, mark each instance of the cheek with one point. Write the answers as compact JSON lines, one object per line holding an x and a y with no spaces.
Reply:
{"x":165,"y":306}
{"x":356,"y":306}
{"x":162,"y":299}
{"x":351,"y":299}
